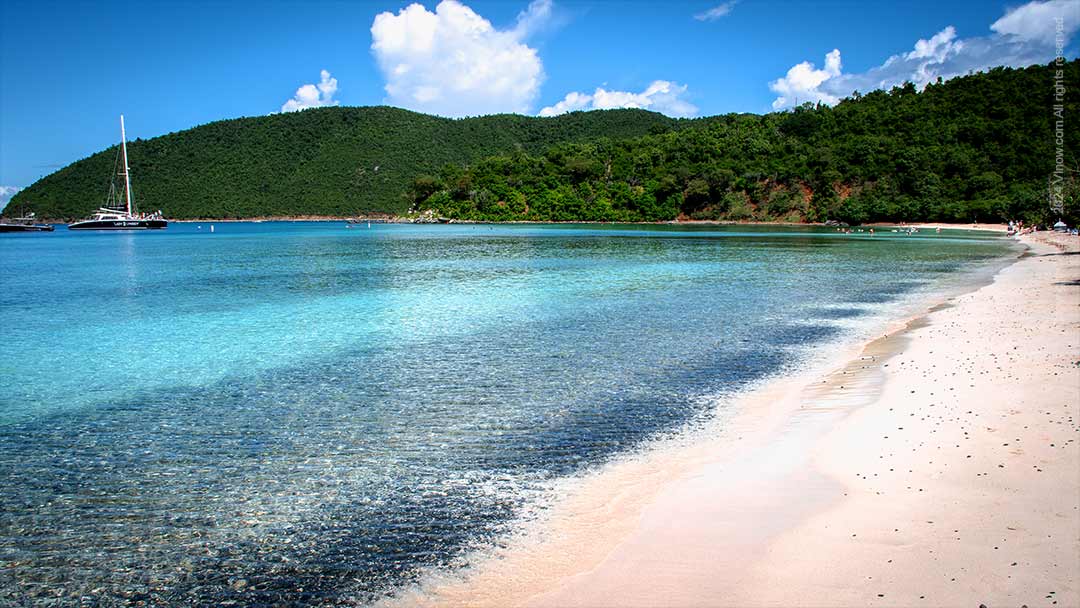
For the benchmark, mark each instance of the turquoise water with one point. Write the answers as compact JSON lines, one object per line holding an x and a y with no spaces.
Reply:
{"x":306,"y":413}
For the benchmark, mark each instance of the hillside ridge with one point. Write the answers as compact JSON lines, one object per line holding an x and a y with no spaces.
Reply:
{"x":334,"y":161}
{"x":979,"y":147}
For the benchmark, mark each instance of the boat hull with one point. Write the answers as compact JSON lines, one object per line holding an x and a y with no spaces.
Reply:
{"x":119,"y":225}
{"x":25,"y":228}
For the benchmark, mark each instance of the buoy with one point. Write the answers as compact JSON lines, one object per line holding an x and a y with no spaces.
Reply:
{"x":211,"y":227}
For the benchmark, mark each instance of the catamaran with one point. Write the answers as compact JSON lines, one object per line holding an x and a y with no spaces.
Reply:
{"x":119,"y":213}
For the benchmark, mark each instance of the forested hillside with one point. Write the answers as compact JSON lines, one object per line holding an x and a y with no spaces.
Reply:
{"x":327,"y":161}
{"x":980,"y":147}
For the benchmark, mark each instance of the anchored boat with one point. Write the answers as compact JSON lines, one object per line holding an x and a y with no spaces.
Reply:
{"x":27,"y":223}
{"x":119,"y":212}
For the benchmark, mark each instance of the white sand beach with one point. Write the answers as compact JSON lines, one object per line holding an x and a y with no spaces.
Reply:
{"x":940,"y":466}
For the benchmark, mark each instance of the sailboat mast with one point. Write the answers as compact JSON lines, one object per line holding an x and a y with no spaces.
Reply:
{"x":127,"y":178}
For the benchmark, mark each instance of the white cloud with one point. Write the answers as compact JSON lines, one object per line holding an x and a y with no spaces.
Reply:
{"x":572,"y":102}
{"x":538,"y":16}
{"x":313,"y":95}
{"x":803,"y":83}
{"x":660,"y":96}
{"x":6,"y":192}
{"x":938,"y":47}
{"x":1020,"y":39}
{"x":453,"y":62}
{"x":716,"y":12}
{"x":1035,"y":20}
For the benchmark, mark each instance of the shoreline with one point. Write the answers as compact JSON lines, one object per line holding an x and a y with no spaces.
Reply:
{"x":772,"y":511}
{"x":390,"y":219}
{"x":393,"y":219}
{"x":961,"y":486}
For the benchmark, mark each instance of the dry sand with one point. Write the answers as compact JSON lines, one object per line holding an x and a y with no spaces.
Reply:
{"x":962,"y":481}
{"x":939,"y":467}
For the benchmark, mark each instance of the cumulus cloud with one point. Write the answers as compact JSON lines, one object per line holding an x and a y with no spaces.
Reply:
{"x":716,"y":12}
{"x":6,"y":192}
{"x":803,"y":83}
{"x":1036,"y":20}
{"x":453,"y":62}
{"x":313,"y":95}
{"x":660,"y":96}
{"x":572,"y":102}
{"x":1020,"y":38}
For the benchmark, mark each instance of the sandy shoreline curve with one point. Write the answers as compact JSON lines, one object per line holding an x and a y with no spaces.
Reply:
{"x":1000,"y":228}
{"x":938,"y":466}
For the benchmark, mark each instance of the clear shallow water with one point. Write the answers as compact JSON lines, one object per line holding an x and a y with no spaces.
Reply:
{"x":305,"y":413}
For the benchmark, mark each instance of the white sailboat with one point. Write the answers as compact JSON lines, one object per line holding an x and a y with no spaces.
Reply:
{"x":119,"y":213}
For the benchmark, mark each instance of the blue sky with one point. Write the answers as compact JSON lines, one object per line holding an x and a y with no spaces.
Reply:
{"x":68,"y":69}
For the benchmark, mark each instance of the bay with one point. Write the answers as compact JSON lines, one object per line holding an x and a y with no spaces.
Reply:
{"x":306,"y":413}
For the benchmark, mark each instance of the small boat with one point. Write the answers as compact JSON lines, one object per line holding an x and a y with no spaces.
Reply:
{"x":119,"y":212}
{"x":27,"y":223}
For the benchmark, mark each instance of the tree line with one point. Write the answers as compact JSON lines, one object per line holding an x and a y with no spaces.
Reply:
{"x":975,"y":148}
{"x":337,"y":161}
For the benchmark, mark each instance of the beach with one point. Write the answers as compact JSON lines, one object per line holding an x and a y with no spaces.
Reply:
{"x":456,"y":415}
{"x":937,"y":465}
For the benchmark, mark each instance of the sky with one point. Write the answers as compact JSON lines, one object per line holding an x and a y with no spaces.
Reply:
{"x":69,"y":69}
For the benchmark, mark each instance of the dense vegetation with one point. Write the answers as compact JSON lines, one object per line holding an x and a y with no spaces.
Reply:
{"x":327,"y":161}
{"x":981,"y":147}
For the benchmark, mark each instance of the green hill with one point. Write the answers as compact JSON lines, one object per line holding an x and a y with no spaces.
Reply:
{"x":979,"y":147}
{"x":327,"y":161}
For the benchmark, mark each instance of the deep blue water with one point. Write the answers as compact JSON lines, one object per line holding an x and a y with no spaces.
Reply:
{"x":302,"y":413}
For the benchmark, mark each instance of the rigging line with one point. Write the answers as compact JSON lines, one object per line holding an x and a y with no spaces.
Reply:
{"x":110,"y":196}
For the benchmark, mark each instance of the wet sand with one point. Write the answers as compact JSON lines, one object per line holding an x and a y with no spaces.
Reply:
{"x":939,"y":466}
